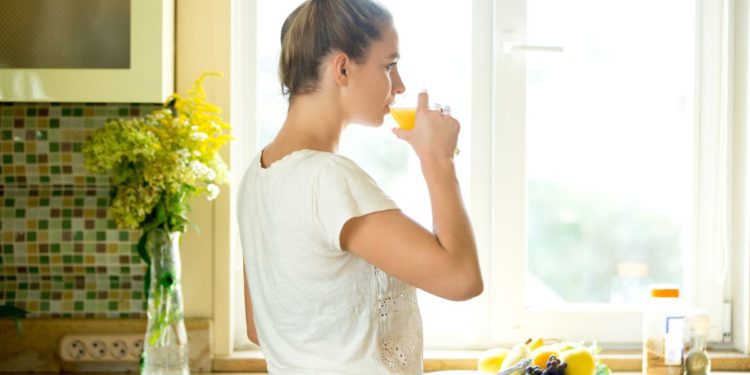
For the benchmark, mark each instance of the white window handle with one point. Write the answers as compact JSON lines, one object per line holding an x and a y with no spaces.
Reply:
{"x":510,"y":47}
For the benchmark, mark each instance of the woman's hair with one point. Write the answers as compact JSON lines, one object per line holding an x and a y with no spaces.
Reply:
{"x":317,"y":28}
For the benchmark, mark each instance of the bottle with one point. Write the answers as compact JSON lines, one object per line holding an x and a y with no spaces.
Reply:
{"x":663,"y":323}
{"x":696,"y":360}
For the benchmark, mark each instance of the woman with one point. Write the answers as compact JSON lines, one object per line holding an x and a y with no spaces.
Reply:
{"x":331,"y":262}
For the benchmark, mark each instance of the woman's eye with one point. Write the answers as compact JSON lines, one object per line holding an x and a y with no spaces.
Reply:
{"x":390,"y":66}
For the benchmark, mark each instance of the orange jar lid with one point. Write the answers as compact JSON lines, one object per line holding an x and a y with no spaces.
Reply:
{"x":665,"y":292}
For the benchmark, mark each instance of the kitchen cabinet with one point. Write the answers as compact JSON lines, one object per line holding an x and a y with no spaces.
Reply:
{"x":107,"y":51}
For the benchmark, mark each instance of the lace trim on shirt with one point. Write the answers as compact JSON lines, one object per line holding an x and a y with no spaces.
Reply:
{"x":401,"y":296}
{"x":393,"y":303}
{"x":401,"y":353}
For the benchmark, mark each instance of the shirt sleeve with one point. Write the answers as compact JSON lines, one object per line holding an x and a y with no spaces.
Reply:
{"x":344,"y":191}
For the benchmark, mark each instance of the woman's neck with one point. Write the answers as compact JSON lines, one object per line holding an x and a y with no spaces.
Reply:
{"x":314,"y":121}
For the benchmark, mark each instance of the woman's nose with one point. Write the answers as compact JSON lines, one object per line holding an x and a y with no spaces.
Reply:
{"x":398,"y":84}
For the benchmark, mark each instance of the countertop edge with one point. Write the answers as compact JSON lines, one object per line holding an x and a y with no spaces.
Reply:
{"x":252,"y":361}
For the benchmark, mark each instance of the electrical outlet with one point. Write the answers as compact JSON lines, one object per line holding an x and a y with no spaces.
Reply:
{"x":136,"y":349}
{"x":119,"y":349}
{"x":101,"y":348}
{"x":74,"y":349}
{"x":98,"y":350}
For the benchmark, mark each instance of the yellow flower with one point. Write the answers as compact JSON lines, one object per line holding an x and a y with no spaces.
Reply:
{"x":131,"y":204}
{"x":167,"y":156}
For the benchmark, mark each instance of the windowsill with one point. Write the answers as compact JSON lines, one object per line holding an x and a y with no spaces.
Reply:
{"x":252,"y":361}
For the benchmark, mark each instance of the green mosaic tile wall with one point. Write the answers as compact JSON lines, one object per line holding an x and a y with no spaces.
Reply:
{"x":60,"y":256}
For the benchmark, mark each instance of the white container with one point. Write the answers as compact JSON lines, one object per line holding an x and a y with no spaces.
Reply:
{"x":663,"y":325}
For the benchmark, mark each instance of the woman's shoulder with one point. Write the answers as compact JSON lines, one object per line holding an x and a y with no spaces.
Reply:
{"x":336,"y":164}
{"x":322,"y":161}
{"x":312,"y":163}
{"x":301,"y":158}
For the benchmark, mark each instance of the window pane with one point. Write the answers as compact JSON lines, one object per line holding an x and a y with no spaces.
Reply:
{"x":434,"y":57}
{"x":609,"y":148}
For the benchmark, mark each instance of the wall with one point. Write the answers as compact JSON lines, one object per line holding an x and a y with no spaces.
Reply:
{"x":61,"y":255}
{"x":203,"y":35}
{"x":92,"y":270}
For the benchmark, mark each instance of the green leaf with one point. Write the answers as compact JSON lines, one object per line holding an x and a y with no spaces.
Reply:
{"x":171,"y":106}
{"x":156,"y":218}
{"x":161,"y":212}
{"x":602,"y":369}
{"x":143,"y":252}
{"x":10,"y":311}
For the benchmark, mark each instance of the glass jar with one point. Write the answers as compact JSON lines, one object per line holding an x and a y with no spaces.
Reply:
{"x":663,"y":324}
{"x":697,"y":361}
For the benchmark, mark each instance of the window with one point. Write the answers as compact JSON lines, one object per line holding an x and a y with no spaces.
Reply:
{"x":609,"y":180}
{"x":609,"y":144}
{"x":591,"y":156}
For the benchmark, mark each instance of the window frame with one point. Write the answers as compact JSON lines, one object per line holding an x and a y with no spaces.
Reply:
{"x":498,"y":176}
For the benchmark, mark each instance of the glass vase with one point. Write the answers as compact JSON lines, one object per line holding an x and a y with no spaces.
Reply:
{"x":165,"y":347}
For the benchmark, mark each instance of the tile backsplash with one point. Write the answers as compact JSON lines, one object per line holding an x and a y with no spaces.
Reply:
{"x":60,"y":255}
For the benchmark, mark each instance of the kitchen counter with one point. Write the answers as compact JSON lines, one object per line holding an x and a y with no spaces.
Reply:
{"x":620,"y":362}
{"x":441,"y":373}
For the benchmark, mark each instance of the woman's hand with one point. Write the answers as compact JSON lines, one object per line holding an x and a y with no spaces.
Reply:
{"x":435,"y":133}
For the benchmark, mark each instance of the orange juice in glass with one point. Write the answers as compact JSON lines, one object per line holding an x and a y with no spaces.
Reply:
{"x":404,"y":117}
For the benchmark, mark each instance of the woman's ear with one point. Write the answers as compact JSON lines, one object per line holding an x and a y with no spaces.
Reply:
{"x":340,"y":64}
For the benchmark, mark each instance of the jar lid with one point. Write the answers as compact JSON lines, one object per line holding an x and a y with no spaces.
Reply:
{"x":663,"y":291}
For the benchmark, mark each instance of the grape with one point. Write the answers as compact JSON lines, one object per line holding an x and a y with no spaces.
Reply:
{"x":553,"y":362}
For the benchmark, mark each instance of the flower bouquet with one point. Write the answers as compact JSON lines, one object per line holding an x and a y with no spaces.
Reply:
{"x":157,"y":163}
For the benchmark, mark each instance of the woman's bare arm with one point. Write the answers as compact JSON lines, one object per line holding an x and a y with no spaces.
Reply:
{"x":444,"y":262}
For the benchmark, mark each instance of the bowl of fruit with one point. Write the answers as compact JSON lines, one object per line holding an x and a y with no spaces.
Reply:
{"x":537,"y":357}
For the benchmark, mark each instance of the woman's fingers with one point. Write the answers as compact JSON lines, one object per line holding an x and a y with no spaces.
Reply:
{"x":436,"y":131}
{"x":422,"y":100}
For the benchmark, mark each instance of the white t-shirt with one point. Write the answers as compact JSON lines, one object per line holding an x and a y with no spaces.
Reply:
{"x":318,"y":308}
